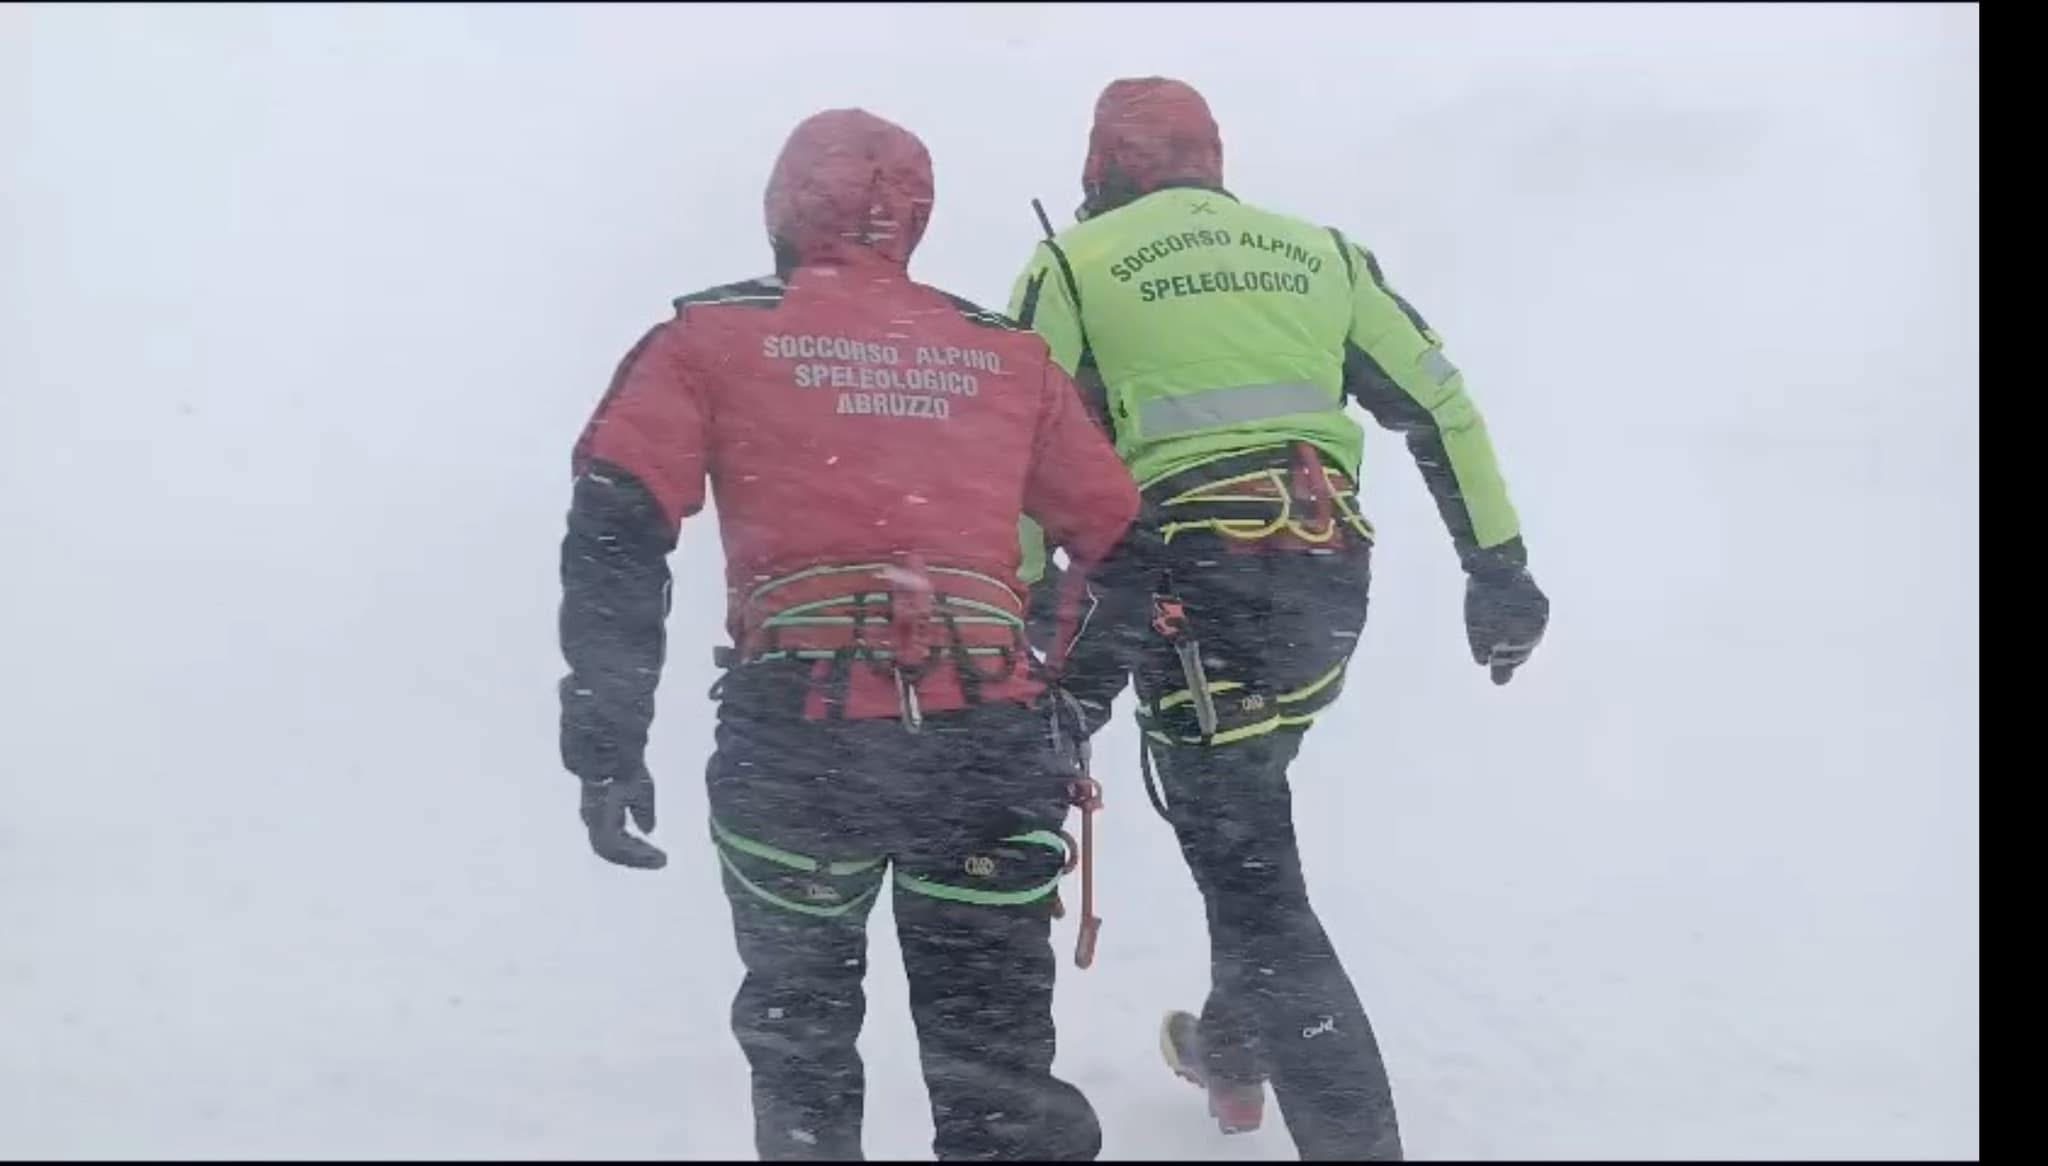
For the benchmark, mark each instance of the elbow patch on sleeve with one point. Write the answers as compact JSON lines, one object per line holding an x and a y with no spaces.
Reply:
{"x":1456,"y":414}
{"x":1437,"y":367}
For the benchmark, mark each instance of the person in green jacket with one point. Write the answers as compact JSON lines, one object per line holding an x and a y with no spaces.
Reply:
{"x":1218,"y":344}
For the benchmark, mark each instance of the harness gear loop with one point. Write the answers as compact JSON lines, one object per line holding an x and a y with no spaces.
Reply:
{"x":1073,"y":858}
{"x":872,"y":631}
{"x":1152,"y":792}
{"x":963,"y":660}
{"x":906,"y":698}
{"x":1311,"y":504}
{"x":839,"y":687}
{"x":911,"y":606}
{"x":1310,"y":485}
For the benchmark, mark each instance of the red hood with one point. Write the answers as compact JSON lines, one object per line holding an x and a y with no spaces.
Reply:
{"x":848,"y":180}
{"x":1151,"y":132}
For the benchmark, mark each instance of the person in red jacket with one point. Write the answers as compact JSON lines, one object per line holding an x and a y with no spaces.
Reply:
{"x":870,"y":443}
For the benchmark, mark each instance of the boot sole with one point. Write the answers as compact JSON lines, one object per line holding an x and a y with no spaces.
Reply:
{"x":1171,"y":1056}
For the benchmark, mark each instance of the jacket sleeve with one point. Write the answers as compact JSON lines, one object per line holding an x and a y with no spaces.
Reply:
{"x":639,"y":471}
{"x":1080,"y":493}
{"x":1394,"y":365}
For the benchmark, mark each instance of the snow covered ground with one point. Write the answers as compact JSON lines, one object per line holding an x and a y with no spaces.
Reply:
{"x":301,"y":309}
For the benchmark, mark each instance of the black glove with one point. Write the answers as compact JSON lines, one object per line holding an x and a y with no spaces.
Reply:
{"x":605,"y":806}
{"x":615,"y":781}
{"x":1505,"y":614}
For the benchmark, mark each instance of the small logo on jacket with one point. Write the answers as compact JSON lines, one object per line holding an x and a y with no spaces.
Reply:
{"x":1329,"y":1024}
{"x":981,"y":866}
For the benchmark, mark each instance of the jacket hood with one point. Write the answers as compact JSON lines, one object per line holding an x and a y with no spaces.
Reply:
{"x":845,"y":182}
{"x":1149,"y":133}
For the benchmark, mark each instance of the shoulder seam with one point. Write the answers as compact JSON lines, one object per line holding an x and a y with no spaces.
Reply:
{"x":1067,"y":274}
{"x":766,"y":290}
{"x":1379,"y":279}
{"x":976,"y":314}
{"x":1073,"y":293}
{"x":580,"y":454}
{"x":1344,"y":249}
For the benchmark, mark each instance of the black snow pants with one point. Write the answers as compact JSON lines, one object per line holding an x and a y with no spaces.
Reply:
{"x":810,"y":820}
{"x":1277,"y":629}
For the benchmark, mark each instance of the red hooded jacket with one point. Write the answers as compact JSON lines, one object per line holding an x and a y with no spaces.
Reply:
{"x":1149,"y":133}
{"x":869,"y":442}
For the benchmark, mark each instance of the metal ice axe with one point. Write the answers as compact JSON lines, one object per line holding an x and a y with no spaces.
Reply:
{"x":1170,"y":619}
{"x":1070,"y":742}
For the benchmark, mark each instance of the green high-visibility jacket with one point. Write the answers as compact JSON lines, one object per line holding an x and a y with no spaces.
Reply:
{"x":1201,"y":328}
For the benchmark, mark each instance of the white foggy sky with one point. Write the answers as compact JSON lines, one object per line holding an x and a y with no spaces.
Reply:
{"x":301,"y":308}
